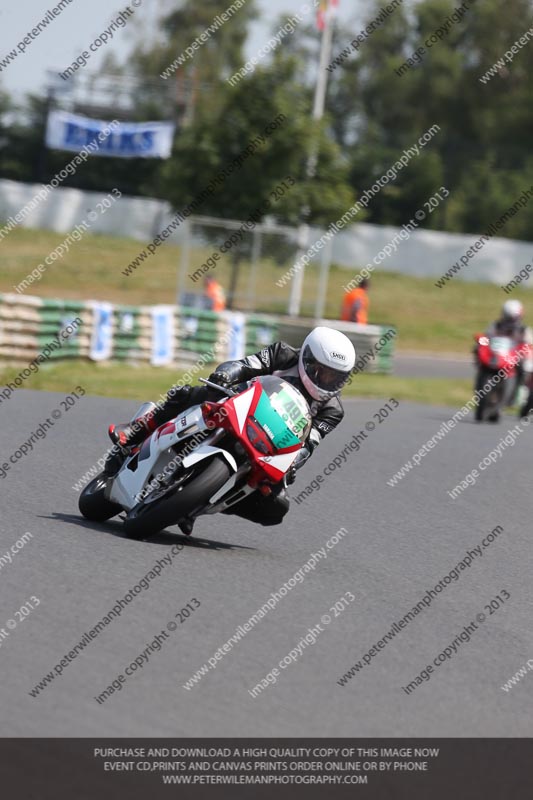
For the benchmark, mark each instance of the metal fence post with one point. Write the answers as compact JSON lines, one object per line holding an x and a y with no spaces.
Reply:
{"x":256,"y":255}
{"x":325,"y":263}
{"x":184,"y":260}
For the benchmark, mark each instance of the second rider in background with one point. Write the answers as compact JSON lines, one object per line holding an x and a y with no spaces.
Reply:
{"x":511,"y":324}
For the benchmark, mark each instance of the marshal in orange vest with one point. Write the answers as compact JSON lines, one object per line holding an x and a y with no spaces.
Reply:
{"x":214,"y":291}
{"x":355,"y":305}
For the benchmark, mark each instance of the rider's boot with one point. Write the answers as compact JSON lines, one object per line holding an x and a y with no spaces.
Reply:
{"x":186,"y":526}
{"x":124,"y":437}
{"x":127,"y":435}
{"x":114,"y":460}
{"x":133,"y":433}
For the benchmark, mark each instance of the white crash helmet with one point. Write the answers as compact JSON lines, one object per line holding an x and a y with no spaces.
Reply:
{"x":327,"y":358}
{"x":513,"y":310}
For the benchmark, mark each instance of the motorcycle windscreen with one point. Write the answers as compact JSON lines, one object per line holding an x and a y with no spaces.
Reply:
{"x":282,"y":413}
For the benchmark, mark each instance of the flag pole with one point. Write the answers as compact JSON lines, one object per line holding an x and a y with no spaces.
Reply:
{"x":295,"y":298}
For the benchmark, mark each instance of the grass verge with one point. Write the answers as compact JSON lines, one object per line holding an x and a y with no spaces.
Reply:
{"x":144,"y":383}
{"x":427,"y":318}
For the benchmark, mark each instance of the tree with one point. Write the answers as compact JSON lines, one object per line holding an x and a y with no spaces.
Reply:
{"x":481,"y":154}
{"x":22,"y":139}
{"x":482,"y":148}
{"x":248,"y":109}
{"x":219,"y":57}
{"x":269,"y":111}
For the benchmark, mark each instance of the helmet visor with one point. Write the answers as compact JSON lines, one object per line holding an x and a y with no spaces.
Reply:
{"x":327,"y":378}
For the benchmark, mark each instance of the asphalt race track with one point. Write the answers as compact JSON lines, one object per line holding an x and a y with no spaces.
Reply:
{"x":400,"y":542}
{"x":411,"y":365}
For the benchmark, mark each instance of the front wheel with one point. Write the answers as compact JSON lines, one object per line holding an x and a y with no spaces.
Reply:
{"x":489,"y":406}
{"x":527,"y":408}
{"x":147,"y":519}
{"x":94,"y":505}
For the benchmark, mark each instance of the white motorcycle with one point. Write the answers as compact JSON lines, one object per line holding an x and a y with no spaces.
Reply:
{"x":206,"y":460}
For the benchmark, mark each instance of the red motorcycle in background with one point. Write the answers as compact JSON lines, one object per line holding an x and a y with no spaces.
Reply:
{"x":497,"y":354}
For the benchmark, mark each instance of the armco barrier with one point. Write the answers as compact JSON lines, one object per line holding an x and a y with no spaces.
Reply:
{"x":127,"y":333}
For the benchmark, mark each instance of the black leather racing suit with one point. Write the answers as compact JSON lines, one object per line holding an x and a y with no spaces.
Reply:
{"x":277,"y":359}
{"x":515,"y":329}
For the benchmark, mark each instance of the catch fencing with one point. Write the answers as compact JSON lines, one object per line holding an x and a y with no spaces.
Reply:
{"x":246,"y":259}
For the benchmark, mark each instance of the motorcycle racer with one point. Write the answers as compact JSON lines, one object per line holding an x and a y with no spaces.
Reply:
{"x":319,"y":370}
{"x":511,"y":324}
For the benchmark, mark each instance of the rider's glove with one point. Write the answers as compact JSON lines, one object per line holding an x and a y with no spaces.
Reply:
{"x":299,"y":461}
{"x":290,"y":476}
{"x":220,"y":378}
{"x":179,"y":393}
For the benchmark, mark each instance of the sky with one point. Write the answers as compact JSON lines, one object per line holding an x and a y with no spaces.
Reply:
{"x":60,"y":43}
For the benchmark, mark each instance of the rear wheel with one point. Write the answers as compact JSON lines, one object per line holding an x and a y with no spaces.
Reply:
{"x":92,"y":503}
{"x":146,"y":518}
